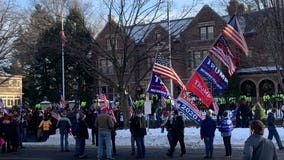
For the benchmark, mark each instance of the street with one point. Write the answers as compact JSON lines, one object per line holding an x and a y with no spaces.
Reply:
{"x":42,"y":152}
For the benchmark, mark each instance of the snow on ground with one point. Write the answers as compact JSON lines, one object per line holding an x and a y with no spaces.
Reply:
{"x":155,"y":138}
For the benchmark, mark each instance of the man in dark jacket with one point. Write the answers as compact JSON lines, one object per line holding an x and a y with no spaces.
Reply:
{"x":177,"y":134}
{"x":257,"y":147}
{"x":64,"y":125}
{"x":207,"y":131}
{"x":272,"y":129}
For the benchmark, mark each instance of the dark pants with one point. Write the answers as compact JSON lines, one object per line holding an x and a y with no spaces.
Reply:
{"x":209,"y":145}
{"x":95,"y":133}
{"x":176,"y":139}
{"x":228,"y":146}
{"x":81,"y":145}
{"x":273,"y":132}
{"x":113,"y":142}
{"x":140,"y":147}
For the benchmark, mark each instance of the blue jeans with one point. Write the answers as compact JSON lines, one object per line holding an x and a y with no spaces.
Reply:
{"x":64,"y":142}
{"x":208,"y":144}
{"x":140,"y":147}
{"x":23,"y":135}
{"x":104,"y":136}
{"x":273,"y":132}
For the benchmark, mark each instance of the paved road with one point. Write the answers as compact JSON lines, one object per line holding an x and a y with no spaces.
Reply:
{"x":41,"y":152}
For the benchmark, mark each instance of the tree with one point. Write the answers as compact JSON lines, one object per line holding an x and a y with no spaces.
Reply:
{"x":9,"y":26}
{"x":39,"y":52}
{"x":120,"y":59}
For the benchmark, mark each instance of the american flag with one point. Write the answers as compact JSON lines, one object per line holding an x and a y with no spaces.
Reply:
{"x":162,"y":67}
{"x":62,"y":101}
{"x":130,"y":106}
{"x":110,"y":110}
{"x":233,"y":32}
{"x":104,"y":98}
{"x":163,"y":102}
{"x":223,"y":53}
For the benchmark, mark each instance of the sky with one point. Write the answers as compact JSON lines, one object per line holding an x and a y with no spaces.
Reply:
{"x":155,"y":138}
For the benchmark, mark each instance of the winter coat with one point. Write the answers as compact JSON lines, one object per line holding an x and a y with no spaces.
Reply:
{"x":104,"y":122}
{"x":178,"y":126}
{"x":64,"y":124}
{"x":270,"y":120}
{"x":226,"y":127}
{"x":266,"y":150}
{"x":139,"y":126}
{"x":208,"y":127}
{"x":82,"y":130}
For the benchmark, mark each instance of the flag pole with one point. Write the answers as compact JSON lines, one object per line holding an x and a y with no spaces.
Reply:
{"x":62,"y":50}
{"x":169,"y":45}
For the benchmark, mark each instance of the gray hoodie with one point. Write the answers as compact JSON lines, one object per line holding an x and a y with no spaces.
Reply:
{"x":266,"y":151}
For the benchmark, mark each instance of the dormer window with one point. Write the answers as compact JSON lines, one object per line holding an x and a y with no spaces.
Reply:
{"x":206,"y":33}
{"x":158,"y":37}
{"x":111,"y":42}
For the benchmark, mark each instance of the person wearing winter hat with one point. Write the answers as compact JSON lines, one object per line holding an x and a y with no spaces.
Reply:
{"x":177,"y":134}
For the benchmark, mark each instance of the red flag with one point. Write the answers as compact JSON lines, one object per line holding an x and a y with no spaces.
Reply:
{"x":216,"y":107}
{"x":130,"y":106}
{"x":162,"y":67}
{"x":63,"y":37}
{"x":233,"y":32}
{"x":197,"y":86}
{"x":223,"y":53}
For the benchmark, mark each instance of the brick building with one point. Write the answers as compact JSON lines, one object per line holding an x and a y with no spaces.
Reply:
{"x":191,"y":38}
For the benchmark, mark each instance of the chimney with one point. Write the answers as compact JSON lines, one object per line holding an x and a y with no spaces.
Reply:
{"x":110,"y":18}
{"x":233,"y":7}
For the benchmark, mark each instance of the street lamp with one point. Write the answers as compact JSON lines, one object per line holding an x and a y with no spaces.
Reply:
{"x":75,"y":90}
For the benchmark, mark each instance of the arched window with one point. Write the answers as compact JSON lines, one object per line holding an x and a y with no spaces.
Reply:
{"x":248,"y":88}
{"x":266,"y":87}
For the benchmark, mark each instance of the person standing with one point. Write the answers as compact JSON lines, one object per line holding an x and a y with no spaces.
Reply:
{"x":139,"y":131}
{"x":272,"y":128}
{"x":23,"y":129}
{"x":132,"y":139}
{"x":258,"y":147}
{"x":64,"y":125}
{"x":45,"y":125}
{"x":177,"y":134}
{"x":105,"y":125}
{"x":226,"y":127}
{"x":207,"y":132}
{"x":82,"y":134}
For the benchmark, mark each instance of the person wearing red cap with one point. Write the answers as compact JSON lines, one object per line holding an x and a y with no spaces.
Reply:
{"x":105,"y":125}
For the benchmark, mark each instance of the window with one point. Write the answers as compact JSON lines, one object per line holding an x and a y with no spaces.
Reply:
{"x":196,"y":58}
{"x":206,"y":33}
{"x":158,"y":36}
{"x":111,"y":42}
{"x":106,"y":66}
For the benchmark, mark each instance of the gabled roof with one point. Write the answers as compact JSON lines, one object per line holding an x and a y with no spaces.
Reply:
{"x":140,"y":32}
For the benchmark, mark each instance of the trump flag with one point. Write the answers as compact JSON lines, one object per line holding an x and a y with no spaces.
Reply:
{"x":198,"y":87}
{"x":210,"y":71}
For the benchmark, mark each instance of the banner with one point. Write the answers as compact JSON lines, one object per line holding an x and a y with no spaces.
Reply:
{"x":189,"y":108}
{"x":210,"y":71}
{"x":156,"y":86}
{"x":197,"y":86}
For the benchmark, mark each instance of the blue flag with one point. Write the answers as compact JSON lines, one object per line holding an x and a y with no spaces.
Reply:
{"x":156,"y":86}
{"x":209,"y":70}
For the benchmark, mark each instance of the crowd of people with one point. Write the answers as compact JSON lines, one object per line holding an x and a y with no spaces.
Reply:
{"x":16,"y":124}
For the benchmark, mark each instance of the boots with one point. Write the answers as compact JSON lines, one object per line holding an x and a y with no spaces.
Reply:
{"x":207,"y":155}
{"x":210,"y":154}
